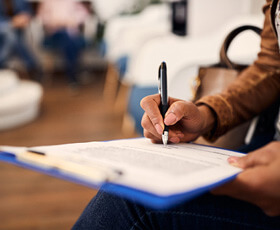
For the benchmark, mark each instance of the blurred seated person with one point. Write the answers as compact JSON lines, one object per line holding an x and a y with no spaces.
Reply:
{"x":15,"y":16}
{"x":62,"y":21}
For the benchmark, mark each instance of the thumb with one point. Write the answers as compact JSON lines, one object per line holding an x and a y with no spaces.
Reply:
{"x":253,"y":159}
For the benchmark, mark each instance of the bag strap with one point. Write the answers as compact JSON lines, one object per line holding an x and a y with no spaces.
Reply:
{"x":224,"y":60}
{"x":272,"y":15}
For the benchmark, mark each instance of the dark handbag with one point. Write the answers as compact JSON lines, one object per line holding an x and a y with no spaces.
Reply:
{"x":214,"y":79}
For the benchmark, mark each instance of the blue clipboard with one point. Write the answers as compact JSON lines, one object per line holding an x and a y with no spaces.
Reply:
{"x":138,"y":196}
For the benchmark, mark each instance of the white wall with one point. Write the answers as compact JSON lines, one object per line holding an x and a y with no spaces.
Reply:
{"x":256,"y":5}
{"x":206,"y":15}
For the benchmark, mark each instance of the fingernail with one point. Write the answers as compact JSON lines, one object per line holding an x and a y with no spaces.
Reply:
{"x":233,"y":161}
{"x":170,"y":119}
{"x":159,"y":129}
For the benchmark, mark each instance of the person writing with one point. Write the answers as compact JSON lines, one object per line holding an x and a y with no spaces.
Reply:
{"x":252,"y":199}
{"x":256,"y":89}
{"x":62,"y":20}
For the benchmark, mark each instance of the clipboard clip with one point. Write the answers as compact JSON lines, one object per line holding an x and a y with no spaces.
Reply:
{"x":96,"y":173}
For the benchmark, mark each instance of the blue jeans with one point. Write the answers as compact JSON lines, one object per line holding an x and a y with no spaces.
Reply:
{"x":13,"y":44}
{"x":70,"y":46}
{"x":106,"y":211}
{"x":7,"y":41}
{"x":22,"y":50}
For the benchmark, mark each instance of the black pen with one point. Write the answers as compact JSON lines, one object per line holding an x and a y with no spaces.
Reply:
{"x":162,"y":77}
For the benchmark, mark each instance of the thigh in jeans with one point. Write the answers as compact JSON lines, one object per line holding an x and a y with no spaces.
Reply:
{"x":107,"y":211}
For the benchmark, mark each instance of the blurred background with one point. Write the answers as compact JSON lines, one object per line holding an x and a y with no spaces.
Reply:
{"x":76,"y":70}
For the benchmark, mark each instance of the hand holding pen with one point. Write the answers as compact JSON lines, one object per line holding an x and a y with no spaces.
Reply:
{"x":173,"y":120}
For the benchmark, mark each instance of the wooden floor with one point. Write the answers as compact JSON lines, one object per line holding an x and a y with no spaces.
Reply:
{"x":29,"y":200}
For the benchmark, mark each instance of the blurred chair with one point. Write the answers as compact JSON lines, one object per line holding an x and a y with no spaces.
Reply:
{"x":108,"y":9}
{"x":19,"y":100}
{"x":124,"y":35}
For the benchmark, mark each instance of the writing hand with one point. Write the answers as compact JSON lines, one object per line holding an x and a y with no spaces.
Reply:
{"x":186,"y":121}
{"x":259,"y":183}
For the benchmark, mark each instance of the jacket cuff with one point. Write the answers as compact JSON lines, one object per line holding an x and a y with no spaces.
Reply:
{"x":223,"y":115}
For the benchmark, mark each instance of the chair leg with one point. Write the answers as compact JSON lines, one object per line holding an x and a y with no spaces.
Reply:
{"x":128,"y":125}
{"x":111,"y":84}
{"x":121,"y":107}
{"x":48,"y":68}
{"x":116,"y":93}
{"x":121,"y":101}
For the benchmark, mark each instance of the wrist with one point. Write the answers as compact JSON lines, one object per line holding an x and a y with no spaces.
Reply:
{"x":209,"y":118}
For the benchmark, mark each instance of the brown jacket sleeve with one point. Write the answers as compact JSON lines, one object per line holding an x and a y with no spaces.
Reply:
{"x":256,"y":88}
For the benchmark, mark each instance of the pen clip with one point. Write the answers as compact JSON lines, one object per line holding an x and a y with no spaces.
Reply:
{"x":162,"y":87}
{"x":159,"y":80}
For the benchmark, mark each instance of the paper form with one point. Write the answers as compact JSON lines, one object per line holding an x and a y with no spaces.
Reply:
{"x":152,"y":167}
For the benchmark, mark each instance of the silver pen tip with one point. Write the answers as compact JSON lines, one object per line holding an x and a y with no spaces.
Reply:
{"x":164,"y":138}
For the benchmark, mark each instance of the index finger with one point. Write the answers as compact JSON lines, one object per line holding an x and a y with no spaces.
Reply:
{"x":150,"y":105}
